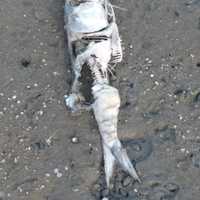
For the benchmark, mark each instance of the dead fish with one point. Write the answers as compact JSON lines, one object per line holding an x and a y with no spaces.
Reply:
{"x":92,"y":25}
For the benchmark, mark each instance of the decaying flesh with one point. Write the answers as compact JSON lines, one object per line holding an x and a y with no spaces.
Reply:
{"x":94,"y":42}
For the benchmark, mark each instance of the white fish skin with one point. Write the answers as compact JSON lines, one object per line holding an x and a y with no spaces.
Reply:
{"x":106,"y":109}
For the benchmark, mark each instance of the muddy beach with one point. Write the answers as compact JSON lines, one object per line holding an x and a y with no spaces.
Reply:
{"x":48,"y":154}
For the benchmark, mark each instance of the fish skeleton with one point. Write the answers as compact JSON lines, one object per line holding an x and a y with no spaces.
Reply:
{"x":94,"y":42}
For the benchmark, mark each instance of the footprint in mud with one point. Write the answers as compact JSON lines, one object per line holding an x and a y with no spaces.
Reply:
{"x":138,"y":149}
{"x":166,"y":191}
{"x":122,"y":188}
{"x":164,"y":134}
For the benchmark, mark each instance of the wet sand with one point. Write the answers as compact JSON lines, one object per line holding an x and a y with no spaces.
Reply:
{"x":48,"y":154}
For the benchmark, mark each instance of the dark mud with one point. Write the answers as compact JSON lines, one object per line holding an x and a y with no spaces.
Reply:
{"x":45,"y":153}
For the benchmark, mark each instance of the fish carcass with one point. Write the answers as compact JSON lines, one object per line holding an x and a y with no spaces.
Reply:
{"x":94,"y":42}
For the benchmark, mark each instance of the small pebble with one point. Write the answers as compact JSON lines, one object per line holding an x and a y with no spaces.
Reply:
{"x":75,"y":140}
{"x":75,"y":190}
{"x":57,"y":172}
{"x":44,"y":105}
{"x":47,"y":175}
{"x":16,"y":160}
{"x":192,"y":55}
{"x":40,"y":112}
{"x":180,"y":117}
{"x":20,"y":189}
{"x":14,"y":97}
{"x":183,"y":150}
{"x":42,"y":187}
{"x":28,"y":87}
{"x":59,"y":175}
{"x":44,"y":60}
{"x":21,"y":140}
{"x":135,"y":190}
{"x":55,"y":73}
